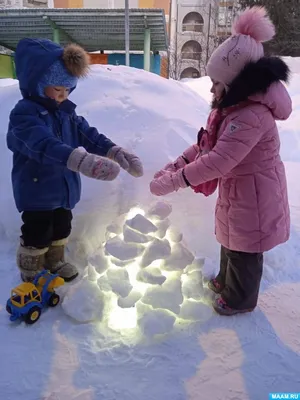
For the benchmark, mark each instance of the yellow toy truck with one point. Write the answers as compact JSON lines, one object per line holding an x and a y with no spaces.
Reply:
{"x":28,"y":299}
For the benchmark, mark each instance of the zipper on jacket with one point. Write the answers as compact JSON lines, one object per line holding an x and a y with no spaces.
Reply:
{"x":58,"y":132}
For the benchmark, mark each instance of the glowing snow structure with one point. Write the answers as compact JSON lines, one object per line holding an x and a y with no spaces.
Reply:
{"x":143,"y":277}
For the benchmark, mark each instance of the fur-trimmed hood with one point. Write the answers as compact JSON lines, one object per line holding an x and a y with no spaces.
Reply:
{"x":34,"y":57}
{"x":260,"y":82}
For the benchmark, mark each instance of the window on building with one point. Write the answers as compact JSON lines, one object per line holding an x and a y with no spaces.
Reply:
{"x":190,"y":73}
{"x":191,"y":50}
{"x":192,"y":22}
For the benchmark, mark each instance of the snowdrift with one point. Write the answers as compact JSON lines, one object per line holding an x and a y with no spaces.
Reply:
{"x":152,"y":116}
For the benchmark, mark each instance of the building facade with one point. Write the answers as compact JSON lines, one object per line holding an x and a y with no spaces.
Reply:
{"x":11,"y":3}
{"x":197,"y":28}
{"x":164,"y":4}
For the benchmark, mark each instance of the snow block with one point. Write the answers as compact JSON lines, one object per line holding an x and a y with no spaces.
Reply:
{"x":103,"y":284}
{"x":133,"y":236}
{"x":84,"y":302}
{"x":141,"y":224}
{"x":92,"y":274}
{"x":160,"y":210}
{"x":179,"y":258}
{"x":157,"y":250}
{"x":151,"y":275}
{"x":168,"y":296}
{"x":114,"y":228}
{"x":99,"y":261}
{"x":156,"y":322}
{"x":119,"y":263}
{"x":123,"y":251}
{"x":195,"y":311}
{"x":129,"y":301}
{"x":196,"y":265}
{"x":118,"y":280}
{"x":175,"y":235}
{"x":192,"y":286}
{"x":162,"y":228}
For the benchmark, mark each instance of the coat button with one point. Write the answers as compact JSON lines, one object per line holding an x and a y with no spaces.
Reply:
{"x":35,"y":179}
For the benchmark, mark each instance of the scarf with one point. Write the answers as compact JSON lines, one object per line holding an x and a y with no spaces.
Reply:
{"x":207,"y":139}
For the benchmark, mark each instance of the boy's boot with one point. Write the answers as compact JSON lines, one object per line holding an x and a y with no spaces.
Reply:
{"x":55,"y":261}
{"x":30,"y":261}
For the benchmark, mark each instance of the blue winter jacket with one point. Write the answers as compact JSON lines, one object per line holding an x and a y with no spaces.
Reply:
{"x":42,"y":135}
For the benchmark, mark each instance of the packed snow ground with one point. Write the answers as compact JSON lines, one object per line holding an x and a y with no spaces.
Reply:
{"x":116,"y":357}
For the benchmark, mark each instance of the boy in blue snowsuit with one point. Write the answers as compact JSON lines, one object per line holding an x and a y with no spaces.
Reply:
{"x":51,"y":145}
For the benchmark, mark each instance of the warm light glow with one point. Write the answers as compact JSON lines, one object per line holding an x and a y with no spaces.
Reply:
{"x":121,"y":318}
{"x":134,"y":211}
{"x":110,"y":235}
{"x":156,"y":264}
{"x":125,"y":319}
{"x":184,"y":278}
{"x":171,"y":274}
{"x":133,"y":270}
{"x":168,"y":237}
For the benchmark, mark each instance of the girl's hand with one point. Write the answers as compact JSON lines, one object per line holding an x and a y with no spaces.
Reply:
{"x":168,"y":182}
{"x":171,"y":167}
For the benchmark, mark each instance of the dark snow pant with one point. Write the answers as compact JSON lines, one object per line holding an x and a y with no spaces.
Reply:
{"x":240,"y":275}
{"x":41,"y":228}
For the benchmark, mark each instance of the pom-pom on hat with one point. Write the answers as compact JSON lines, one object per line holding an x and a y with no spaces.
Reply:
{"x":252,"y":28}
{"x":66,"y":71}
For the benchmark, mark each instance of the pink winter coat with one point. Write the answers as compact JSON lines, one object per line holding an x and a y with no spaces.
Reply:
{"x":252,"y":210}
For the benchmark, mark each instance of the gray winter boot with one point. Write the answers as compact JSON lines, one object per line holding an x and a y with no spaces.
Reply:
{"x":55,"y":261}
{"x":30,"y":261}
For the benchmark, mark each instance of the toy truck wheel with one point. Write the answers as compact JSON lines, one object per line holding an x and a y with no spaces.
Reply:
{"x":8,"y":309}
{"x":33,"y":315}
{"x":54,"y":300}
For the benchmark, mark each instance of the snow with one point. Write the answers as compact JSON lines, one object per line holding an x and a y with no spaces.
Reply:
{"x":168,"y":296}
{"x":156,"y":322}
{"x":118,"y":279}
{"x":151,"y":275}
{"x":141,"y":224}
{"x":122,"y":250}
{"x":161,"y":210}
{"x":84,"y":301}
{"x":179,"y":258}
{"x":131,"y":327}
{"x":157,"y":250}
{"x":132,"y":236}
{"x":7,"y":82}
{"x":195,"y":311}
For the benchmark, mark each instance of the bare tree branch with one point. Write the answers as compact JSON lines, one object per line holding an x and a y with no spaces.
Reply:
{"x":202,"y":44}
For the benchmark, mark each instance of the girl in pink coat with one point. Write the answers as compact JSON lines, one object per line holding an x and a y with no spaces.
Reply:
{"x":239,"y":153}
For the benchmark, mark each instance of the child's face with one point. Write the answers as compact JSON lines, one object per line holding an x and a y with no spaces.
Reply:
{"x":217,"y":89}
{"x":57,"y":93}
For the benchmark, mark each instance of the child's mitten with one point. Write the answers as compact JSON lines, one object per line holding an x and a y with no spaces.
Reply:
{"x":93,"y":166}
{"x":169,"y":182}
{"x":188,"y":156}
{"x":128,"y":161}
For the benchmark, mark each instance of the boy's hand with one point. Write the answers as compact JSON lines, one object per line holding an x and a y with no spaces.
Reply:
{"x":128,"y":161}
{"x":93,"y":166}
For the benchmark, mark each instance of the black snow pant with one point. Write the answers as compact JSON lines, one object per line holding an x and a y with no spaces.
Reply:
{"x":240,"y":275}
{"x":41,"y":228}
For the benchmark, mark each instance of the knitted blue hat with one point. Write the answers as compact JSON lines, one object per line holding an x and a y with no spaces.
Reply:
{"x":65,"y":71}
{"x":57,"y":75}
